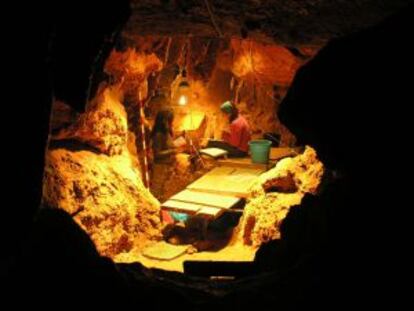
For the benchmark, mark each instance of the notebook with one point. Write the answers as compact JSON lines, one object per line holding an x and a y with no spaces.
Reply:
{"x":214,"y":152}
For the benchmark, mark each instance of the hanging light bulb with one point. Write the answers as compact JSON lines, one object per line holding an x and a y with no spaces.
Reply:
{"x":183,"y":100}
{"x":183,"y":89}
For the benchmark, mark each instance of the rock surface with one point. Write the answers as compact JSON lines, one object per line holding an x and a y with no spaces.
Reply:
{"x":92,"y":172}
{"x":265,"y":210}
{"x":104,"y":124}
{"x":105,"y":195}
{"x":291,"y":23}
{"x":255,"y":75}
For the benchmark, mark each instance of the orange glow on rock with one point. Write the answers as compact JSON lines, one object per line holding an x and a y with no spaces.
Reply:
{"x":265,"y":211}
{"x":132,"y":64}
{"x":266,"y":64}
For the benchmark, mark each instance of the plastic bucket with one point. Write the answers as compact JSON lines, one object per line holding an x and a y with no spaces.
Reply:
{"x":260,"y":150}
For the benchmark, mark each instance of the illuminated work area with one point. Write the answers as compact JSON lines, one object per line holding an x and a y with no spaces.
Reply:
{"x":205,"y":154}
{"x":147,"y":187}
{"x":208,"y":132}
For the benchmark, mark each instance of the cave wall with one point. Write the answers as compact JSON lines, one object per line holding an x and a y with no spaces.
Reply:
{"x":95,"y":159}
{"x":256,"y":71}
{"x":92,"y":172}
{"x":300,"y":28}
{"x":254,"y":75}
{"x":147,"y":69}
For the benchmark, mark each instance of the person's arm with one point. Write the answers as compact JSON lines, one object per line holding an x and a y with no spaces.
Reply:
{"x":164,"y":153}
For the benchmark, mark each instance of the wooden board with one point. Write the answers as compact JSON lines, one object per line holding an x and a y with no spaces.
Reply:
{"x":193,"y":209}
{"x":282,"y":152}
{"x":164,"y":251}
{"x":225,"y":180}
{"x":205,"y":199}
{"x":185,"y":207}
{"x":245,"y":163}
{"x":211,"y":211}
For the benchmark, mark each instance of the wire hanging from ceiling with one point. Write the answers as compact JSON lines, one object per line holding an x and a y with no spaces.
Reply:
{"x":213,"y":20}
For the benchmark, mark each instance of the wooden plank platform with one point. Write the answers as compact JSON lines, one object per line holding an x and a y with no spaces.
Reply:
{"x":193,"y":209}
{"x":222,"y":188}
{"x":227,"y":180}
{"x":282,"y":152}
{"x":186,"y":207}
{"x":214,"y":212}
{"x":206,"y":199}
{"x":200,"y":203}
{"x":245,"y":163}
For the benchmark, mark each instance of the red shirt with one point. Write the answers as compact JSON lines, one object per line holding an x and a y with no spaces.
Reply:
{"x":239,"y":135}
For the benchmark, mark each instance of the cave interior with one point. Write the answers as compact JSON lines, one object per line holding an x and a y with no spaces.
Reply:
{"x":269,"y":58}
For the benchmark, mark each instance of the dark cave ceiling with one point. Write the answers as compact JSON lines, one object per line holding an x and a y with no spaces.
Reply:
{"x":286,"y":22}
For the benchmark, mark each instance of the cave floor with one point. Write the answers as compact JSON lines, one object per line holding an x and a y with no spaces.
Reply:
{"x":236,"y":252}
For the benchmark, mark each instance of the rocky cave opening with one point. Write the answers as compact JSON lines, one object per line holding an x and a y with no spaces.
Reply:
{"x":107,"y":239}
{"x":100,"y":168}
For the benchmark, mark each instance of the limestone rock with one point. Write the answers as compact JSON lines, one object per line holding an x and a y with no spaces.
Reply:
{"x":105,"y":195}
{"x":62,"y":116}
{"x":104,"y":124}
{"x":92,"y":172}
{"x":284,"y":184}
{"x":265,"y":210}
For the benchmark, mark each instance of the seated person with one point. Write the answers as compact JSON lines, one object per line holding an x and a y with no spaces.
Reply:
{"x":235,"y":141}
{"x":162,"y":137}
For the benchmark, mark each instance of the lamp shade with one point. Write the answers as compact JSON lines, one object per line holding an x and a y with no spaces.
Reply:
{"x":183,"y":84}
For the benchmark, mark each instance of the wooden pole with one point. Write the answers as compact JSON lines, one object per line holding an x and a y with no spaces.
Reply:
{"x":145,"y":170}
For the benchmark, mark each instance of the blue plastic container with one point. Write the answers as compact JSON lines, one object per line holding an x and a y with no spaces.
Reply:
{"x":180,"y":217}
{"x":260,"y":150}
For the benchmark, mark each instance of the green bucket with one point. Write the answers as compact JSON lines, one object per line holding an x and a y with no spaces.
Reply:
{"x":260,"y":150}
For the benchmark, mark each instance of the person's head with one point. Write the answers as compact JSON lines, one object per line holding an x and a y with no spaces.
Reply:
{"x":163,"y":121}
{"x":229,"y":109}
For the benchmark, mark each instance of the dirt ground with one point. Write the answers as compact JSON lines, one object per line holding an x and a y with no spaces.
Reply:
{"x":237,"y":252}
